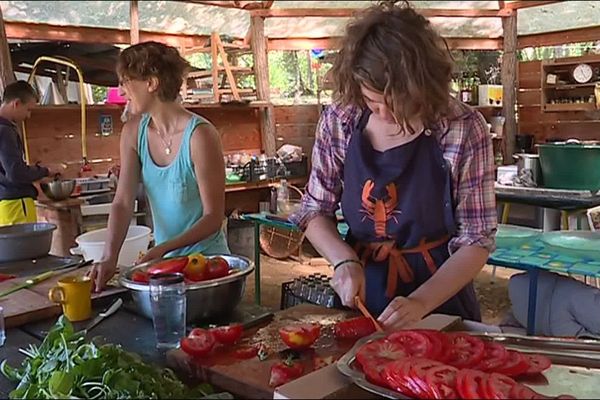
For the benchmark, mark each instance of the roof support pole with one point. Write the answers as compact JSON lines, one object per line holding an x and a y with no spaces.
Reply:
{"x":134,"y":20}
{"x":509,"y":85}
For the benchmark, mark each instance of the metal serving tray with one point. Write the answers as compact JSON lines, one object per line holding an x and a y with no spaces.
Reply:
{"x":575,"y":365}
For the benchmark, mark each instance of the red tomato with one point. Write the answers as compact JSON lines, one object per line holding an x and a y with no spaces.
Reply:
{"x":419,"y":368}
{"x":396,"y":375}
{"x":515,"y":365}
{"x":354,"y":328}
{"x":245,"y":352}
{"x":380,"y":351}
{"x":416,"y":343}
{"x":285,"y":372}
{"x":140,"y":277}
{"x":494,"y":357}
{"x":228,"y":334}
{"x":442,"y":381}
{"x":498,"y":386}
{"x":470,"y":383}
{"x":439,"y":341}
{"x":198,"y":343}
{"x":168,"y":266}
{"x":537,"y":363}
{"x":299,"y":337}
{"x":465,"y":351}
{"x":217,"y":267}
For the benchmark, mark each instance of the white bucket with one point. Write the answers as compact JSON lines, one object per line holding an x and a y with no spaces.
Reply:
{"x":91,"y":244}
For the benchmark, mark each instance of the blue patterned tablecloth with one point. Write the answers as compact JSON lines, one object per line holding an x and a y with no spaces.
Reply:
{"x":537,"y":255}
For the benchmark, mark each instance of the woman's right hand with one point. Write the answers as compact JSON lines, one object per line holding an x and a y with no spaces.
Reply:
{"x":348,"y":282}
{"x":101,"y":273}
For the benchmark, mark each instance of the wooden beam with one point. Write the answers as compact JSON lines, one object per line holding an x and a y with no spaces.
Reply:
{"x":261,"y":76}
{"x":590,"y":34}
{"x":333,"y":43}
{"x":349,"y":12}
{"x":85,"y":34}
{"x":134,"y":21}
{"x":517,"y":5}
{"x":7,"y":75}
{"x":509,"y":85}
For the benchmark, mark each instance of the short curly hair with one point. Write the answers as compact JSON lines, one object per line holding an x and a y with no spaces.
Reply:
{"x":152,"y":59}
{"x":392,"y":49}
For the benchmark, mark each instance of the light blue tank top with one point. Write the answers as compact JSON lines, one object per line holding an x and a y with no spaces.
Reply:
{"x":173,"y":193}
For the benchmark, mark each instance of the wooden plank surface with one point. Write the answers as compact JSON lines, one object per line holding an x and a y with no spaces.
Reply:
{"x":250,"y":378}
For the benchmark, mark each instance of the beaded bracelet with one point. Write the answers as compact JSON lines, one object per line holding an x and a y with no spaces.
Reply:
{"x":350,"y":260}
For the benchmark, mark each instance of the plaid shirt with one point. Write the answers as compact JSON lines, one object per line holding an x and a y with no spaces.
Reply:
{"x":466,"y":145}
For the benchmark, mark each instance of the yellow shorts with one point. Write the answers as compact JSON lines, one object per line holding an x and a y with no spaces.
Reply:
{"x":17,"y":211}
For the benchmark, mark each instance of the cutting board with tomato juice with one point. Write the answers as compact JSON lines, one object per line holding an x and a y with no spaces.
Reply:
{"x":250,"y":378}
{"x":32,"y":304}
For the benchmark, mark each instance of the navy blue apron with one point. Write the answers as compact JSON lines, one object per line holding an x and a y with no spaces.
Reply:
{"x":399,"y":209}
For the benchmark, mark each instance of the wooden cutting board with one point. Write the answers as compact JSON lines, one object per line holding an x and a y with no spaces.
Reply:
{"x":250,"y":378}
{"x":30,"y":305}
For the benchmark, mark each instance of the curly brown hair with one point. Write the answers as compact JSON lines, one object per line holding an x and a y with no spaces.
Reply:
{"x":152,"y":59}
{"x":392,"y":49}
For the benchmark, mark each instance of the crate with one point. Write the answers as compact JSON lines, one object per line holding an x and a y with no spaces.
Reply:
{"x":289,"y":299}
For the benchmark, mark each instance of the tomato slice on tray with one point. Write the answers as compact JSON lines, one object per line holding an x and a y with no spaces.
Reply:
{"x":498,"y":386}
{"x":516,"y":364}
{"x":537,"y":363}
{"x":354,"y":328}
{"x":442,"y":381}
{"x":416,"y":343}
{"x":228,"y":334}
{"x":398,"y":376}
{"x":465,"y":351}
{"x":198,"y":343}
{"x":470,"y":383}
{"x":494,"y":357}
{"x":380,"y":351}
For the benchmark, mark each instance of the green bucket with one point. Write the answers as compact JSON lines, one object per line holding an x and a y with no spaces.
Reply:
{"x":570,"y":166}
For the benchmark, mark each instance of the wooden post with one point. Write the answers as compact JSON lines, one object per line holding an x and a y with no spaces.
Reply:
{"x":134,"y":20}
{"x":261,"y":74}
{"x":7,"y":74}
{"x":509,"y":85}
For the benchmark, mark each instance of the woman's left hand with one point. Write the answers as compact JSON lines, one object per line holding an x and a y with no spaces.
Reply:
{"x":401,"y":312}
{"x":154,"y":253}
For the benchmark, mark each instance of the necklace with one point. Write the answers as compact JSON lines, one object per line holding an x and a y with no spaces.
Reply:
{"x":167,"y":143}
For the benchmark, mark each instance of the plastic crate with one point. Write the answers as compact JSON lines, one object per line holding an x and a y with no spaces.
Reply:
{"x":289,"y":299}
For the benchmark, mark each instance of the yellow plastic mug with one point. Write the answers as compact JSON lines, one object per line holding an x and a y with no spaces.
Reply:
{"x":75,"y":295}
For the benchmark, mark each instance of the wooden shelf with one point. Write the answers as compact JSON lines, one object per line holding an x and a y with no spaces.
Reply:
{"x":78,"y":107}
{"x":569,"y":107}
{"x":571,"y":86}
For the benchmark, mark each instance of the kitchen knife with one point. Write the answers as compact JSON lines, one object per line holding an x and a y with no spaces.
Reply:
{"x":42,"y":277}
{"x":105,"y":314}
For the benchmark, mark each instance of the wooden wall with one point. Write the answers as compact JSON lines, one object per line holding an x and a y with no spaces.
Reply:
{"x":297,"y":125}
{"x":547,"y":125}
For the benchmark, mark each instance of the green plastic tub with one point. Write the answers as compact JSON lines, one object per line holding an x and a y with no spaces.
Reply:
{"x":570,"y":166}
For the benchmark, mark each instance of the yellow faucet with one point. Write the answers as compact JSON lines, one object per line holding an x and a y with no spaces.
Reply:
{"x":68,"y":63}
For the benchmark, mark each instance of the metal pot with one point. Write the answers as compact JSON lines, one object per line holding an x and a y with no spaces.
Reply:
{"x":58,"y":189}
{"x":528,"y":168}
{"x":25,"y":241}
{"x":208,"y":299}
{"x":571,"y":165}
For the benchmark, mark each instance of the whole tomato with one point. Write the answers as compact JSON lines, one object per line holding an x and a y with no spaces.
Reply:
{"x":217,"y":267}
{"x":195,"y":270}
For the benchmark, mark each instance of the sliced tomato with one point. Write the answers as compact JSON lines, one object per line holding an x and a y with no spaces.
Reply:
{"x":140,"y":277}
{"x":470,"y":384}
{"x":217,"y":267}
{"x":229,"y":334}
{"x":439,"y":341}
{"x":397,"y":376}
{"x":354,"y":328}
{"x":283,"y":372}
{"x":168,"y":266}
{"x":465,"y":351}
{"x":494,"y":357}
{"x":198,"y":343}
{"x":515,"y":365}
{"x":380,"y":351}
{"x":498,"y":386}
{"x":537,"y":363}
{"x":246,"y":352}
{"x":301,"y":336}
{"x":419,"y":369}
{"x":321,"y":362}
{"x":416,"y":343}
{"x":442,"y":381}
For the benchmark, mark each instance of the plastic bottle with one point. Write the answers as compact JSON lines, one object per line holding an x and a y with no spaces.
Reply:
{"x":283,"y":196}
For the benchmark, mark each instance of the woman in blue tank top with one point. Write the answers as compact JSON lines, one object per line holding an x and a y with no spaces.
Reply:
{"x":175,"y":153}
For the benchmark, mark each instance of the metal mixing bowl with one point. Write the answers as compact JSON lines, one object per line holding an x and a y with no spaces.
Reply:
{"x":58,"y":189}
{"x":25,"y":241}
{"x":208,"y":299}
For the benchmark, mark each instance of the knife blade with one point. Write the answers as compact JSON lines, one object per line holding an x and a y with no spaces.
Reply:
{"x":105,"y":314}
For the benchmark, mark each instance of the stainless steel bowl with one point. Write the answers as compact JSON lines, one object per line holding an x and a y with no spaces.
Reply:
{"x":58,"y":189}
{"x":25,"y":241}
{"x":206,"y":299}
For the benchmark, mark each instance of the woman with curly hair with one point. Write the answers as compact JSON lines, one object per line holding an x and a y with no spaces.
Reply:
{"x":175,"y":153}
{"x":412,"y":169}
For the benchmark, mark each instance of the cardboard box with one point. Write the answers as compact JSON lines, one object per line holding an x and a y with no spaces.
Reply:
{"x":329,"y":383}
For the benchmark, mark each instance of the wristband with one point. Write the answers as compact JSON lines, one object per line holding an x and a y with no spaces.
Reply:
{"x":350,"y":260}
